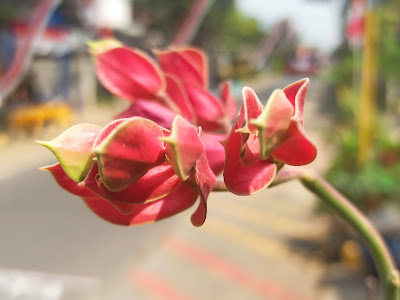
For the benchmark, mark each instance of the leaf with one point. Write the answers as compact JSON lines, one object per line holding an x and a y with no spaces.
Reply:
{"x":128,"y":151}
{"x":73,"y":148}
{"x":129,"y":73}
{"x":273,"y":123}
{"x":183,"y":148}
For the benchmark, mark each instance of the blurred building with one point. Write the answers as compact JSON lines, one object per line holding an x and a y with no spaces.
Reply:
{"x":44,"y":56}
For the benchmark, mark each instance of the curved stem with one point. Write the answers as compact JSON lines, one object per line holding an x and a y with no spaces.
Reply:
{"x":388,"y":273}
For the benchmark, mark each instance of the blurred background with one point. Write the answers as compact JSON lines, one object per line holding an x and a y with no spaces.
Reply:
{"x":277,"y":244}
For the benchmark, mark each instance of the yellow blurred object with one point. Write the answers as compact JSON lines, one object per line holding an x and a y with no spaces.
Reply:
{"x":35,"y":117}
{"x":350,"y":254}
{"x":367,"y":110}
{"x":4,"y":139}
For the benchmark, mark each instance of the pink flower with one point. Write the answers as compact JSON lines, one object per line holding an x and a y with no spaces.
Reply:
{"x":134,"y":171}
{"x":159,"y":92}
{"x":154,"y":161}
{"x":263,"y":138}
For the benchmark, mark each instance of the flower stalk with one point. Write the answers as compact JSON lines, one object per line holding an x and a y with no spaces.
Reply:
{"x":166,"y":150}
{"x":387,"y":270}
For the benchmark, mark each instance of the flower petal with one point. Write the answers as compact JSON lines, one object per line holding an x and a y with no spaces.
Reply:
{"x":177,"y":93}
{"x":297,"y":149}
{"x":273,"y":122}
{"x":296,"y":93}
{"x":190,"y":65}
{"x":251,"y":109}
{"x":245,"y":179}
{"x":124,"y":208}
{"x":215,"y":151}
{"x":129,"y":73}
{"x":90,"y":183}
{"x":207,"y":107}
{"x":129,"y":151}
{"x":179,"y":200}
{"x":250,"y":152}
{"x":228,"y":100}
{"x":150,"y":110}
{"x":67,"y":183}
{"x":106,"y":131}
{"x":73,"y":149}
{"x":205,"y":180}
{"x":183,"y":148}
{"x":157,"y":183}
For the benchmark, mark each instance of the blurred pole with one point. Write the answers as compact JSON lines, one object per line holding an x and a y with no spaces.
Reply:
{"x":269,"y":42}
{"x":188,"y":28}
{"x":369,"y":79}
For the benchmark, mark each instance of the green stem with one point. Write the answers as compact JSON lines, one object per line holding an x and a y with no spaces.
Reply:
{"x":388,"y":273}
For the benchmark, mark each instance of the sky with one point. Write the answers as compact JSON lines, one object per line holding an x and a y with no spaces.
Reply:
{"x":317,"y":22}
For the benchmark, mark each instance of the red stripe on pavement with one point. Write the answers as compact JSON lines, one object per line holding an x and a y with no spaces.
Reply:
{"x":228,"y":270}
{"x":157,"y":287}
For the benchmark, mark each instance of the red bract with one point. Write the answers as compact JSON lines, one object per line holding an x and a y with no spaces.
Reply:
{"x":130,"y":183}
{"x":180,"y":83}
{"x":263,"y":137}
{"x":154,"y":161}
{"x":129,"y":74}
{"x":126,"y":152}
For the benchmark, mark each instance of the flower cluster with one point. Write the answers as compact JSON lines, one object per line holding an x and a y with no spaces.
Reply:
{"x":165,"y":151}
{"x":264,"y":138}
{"x":134,"y":171}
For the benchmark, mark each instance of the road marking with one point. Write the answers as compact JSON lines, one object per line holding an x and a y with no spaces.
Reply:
{"x":157,"y":286}
{"x":228,"y":270}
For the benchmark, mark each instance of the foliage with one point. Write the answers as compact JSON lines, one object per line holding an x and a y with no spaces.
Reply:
{"x":224,"y":26}
{"x":227,"y":28}
{"x":371,"y":184}
{"x":374,"y":183}
{"x":390,"y":41}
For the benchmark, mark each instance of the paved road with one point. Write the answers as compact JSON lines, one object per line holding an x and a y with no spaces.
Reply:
{"x":43,"y":228}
